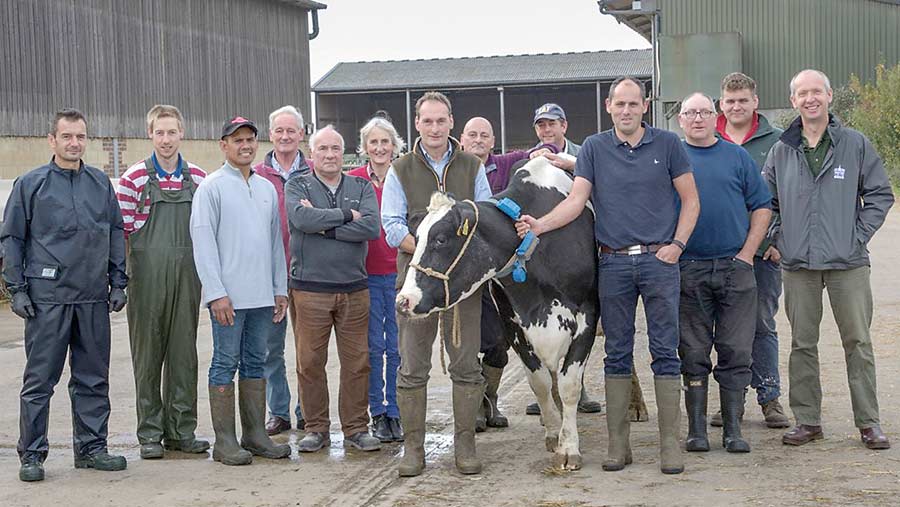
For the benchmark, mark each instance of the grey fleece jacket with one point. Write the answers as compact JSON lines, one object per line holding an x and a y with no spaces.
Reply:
{"x":236,"y":232}
{"x":328,"y":247}
{"x":826,"y":221}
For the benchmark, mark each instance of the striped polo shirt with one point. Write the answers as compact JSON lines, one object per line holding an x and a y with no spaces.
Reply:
{"x":131,"y":185}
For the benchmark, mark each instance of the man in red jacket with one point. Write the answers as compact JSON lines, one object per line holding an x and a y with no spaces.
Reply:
{"x":286,"y":132}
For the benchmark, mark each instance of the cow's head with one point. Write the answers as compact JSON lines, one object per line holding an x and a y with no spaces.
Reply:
{"x":446,"y":240}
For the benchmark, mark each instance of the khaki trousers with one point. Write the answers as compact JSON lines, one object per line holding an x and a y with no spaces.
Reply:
{"x":416,"y":340}
{"x":317,"y":313}
{"x":850,"y":295}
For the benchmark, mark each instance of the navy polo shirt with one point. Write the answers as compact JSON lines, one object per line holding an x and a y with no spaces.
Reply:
{"x":633,"y":195}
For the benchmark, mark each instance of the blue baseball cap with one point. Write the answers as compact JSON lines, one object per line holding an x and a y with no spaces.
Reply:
{"x":549,"y":111}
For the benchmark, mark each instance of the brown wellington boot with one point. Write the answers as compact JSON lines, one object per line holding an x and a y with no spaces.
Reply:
{"x":466,"y":401}
{"x":668,"y":407}
{"x":618,"y":397}
{"x":412,"y":404}
{"x":252,"y":399}
{"x":493,"y":417}
{"x":637,"y":410}
{"x":221,"y":405}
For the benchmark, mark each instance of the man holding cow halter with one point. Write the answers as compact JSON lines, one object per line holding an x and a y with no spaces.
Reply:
{"x":641,"y":234}
{"x":435,"y":164}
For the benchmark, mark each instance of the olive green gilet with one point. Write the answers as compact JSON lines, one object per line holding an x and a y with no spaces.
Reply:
{"x":419,"y":181}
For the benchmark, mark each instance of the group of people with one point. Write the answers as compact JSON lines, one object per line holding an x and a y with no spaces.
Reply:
{"x":700,"y":229}
{"x":704,"y":231}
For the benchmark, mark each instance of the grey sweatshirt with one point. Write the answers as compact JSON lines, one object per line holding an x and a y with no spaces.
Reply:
{"x":328,"y":248}
{"x":238,"y":249}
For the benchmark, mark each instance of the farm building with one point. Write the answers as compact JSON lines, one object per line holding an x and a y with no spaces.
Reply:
{"x":699,"y":41}
{"x":114,"y":60}
{"x":504,"y":89}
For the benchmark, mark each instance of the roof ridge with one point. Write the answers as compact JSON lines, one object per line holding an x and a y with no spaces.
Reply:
{"x":497,"y":70}
{"x":449,"y":58}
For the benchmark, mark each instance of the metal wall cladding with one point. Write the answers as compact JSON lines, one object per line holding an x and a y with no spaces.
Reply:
{"x":682,"y":73}
{"x":114,"y":60}
{"x":782,"y":37}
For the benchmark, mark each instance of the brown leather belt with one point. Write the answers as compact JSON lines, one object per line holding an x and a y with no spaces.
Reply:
{"x":633,"y":250}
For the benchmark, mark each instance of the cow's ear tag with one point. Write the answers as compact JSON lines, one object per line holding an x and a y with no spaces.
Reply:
{"x":463,"y":229}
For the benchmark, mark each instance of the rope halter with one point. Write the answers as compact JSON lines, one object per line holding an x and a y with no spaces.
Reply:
{"x":445,"y":276}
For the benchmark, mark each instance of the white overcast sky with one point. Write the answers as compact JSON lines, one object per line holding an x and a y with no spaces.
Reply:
{"x":373,"y":30}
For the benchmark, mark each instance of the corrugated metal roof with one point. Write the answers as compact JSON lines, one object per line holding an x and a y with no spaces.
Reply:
{"x":485,"y":71}
{"x":641,"y":23}
{"x":305,"y":4}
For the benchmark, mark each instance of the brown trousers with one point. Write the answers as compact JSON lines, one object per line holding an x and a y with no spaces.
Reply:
{"x":317,"y":313}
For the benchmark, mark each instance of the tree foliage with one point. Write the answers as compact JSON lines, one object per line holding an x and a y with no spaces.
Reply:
{"x":877,"y":115}
{"x":846,"y":98}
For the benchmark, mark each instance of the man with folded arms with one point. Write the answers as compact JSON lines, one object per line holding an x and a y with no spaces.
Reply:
{"x":332,"y":216}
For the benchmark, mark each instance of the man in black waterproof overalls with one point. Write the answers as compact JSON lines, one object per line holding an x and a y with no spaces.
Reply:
{"x":65,"y":268}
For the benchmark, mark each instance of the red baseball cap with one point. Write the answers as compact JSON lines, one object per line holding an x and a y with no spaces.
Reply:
{"x":231,"y":125}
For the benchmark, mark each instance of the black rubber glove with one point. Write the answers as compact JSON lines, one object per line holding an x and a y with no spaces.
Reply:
{"x":21,"y":305}
{"x":117,"y":299}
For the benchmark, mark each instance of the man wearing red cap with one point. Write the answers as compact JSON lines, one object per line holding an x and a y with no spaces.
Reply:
{"x":239,"y":254}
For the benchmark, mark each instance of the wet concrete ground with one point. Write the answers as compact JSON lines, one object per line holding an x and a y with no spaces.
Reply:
{"x":836,"y":471}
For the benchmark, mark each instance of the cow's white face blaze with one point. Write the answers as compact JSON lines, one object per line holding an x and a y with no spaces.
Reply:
{"x":410,"y":294}
{"x":440,"y":238}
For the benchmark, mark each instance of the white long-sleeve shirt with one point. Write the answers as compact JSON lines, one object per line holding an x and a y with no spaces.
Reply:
{"x":236,"y":231}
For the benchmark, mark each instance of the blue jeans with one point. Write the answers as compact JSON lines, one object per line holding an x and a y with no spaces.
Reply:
{"x":240,"y":346}
{"x":622,"y":278}
{"x":278,"y":394}
{"x":383,"y":342}
{"x":765,"y":378}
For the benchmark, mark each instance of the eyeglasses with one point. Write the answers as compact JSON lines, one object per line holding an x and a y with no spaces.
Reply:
{"x":690,"y":115}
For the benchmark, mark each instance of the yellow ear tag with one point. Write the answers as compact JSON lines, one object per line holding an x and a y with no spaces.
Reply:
{"x":465,"y":227}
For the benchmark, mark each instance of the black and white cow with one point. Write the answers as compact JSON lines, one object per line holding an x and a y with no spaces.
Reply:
{"x":551,"y":318}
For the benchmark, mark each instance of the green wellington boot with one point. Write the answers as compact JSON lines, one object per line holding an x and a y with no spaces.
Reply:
{"x":221,"y":405}
{"x":668,"y":406}
{"x":412,"y":404}
{"x":618,"y":398}
{"x":466,"y":401}
{"x":252,"y":400}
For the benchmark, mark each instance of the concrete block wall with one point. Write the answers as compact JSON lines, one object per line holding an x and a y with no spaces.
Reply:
{"x":19,"y":155}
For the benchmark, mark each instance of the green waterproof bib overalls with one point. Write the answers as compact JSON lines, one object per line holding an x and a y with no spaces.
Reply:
{"x":163,"y":312}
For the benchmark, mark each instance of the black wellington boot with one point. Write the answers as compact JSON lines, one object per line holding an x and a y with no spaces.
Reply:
{"x":732,"y":409}
{"x":695,"y":401}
